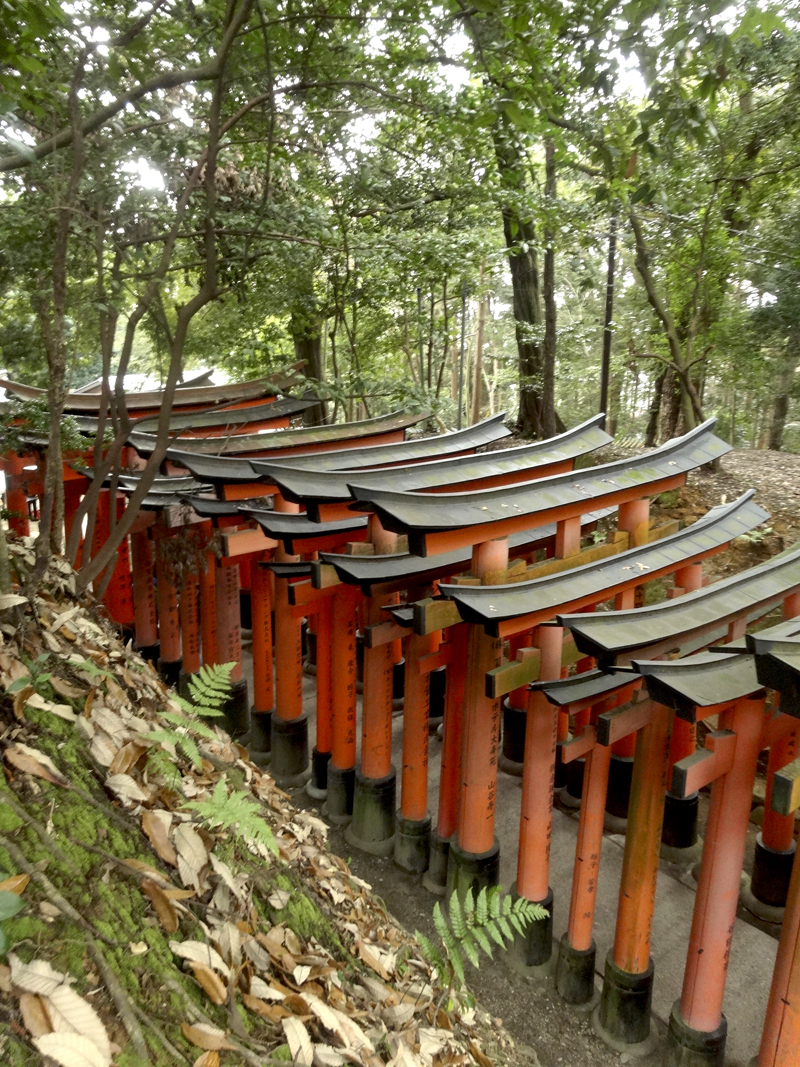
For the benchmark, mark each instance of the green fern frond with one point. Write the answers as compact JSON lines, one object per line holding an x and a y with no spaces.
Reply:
{"x":469,"y":907}
{"x":495,"y":904}
{"x":457,"y":916}
{"x":471,"y":952}
{"x":234,"y":811}
{"x":433,"y":956}
{"x":493,"y":931}
{"x":209,"y":689}
{"x":482,"y":907}
{"x":483,"y":941}
{"x":160,"y":764}
{"x":457,"y":963}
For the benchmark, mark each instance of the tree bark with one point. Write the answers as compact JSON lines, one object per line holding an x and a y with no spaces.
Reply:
{"x":477,"y":393}
{"x":549,"y":294}
{"x":780,"y":403}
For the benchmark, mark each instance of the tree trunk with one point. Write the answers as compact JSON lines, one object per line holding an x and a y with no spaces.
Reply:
{"x":520,"y":238}
{"x":780,"y":403}
{"x":654,"y":414}
{"x":477,"y":393}
{"x":549,"y":293}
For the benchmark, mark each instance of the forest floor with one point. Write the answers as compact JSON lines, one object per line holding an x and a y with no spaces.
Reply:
{"x":163,"y":903}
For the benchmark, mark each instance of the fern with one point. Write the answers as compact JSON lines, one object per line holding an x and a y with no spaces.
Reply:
{"x":234,"y":811}
{"x":468,"y":928}
{"x":209,"y":689}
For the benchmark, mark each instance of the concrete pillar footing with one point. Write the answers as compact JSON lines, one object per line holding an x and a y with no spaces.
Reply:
{"x":532,"y":954}
{"x":289,"y":764}
{"x":687,"y":1047}
{"x":338,"y":806}
{"x":170,"y":670}
{"x":372,"y":829}
{"x":317,"y":785}
{"x":623,"y":1015}
{"x":575,"y":972}
{"x":258,"y":739}
{"x":236,"y":711}
{"x":435,"y":878}
{"x":473,"y":870}
{"x":412,"y":844}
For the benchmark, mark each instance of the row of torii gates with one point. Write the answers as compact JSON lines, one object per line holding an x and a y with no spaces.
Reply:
{"x":466,"y":583}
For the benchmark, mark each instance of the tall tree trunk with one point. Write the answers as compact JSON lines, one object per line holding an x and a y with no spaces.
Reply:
{"x":520,"y":238}
{"x":549,"y":294}
{"x":306,"y":329}
{"x":780,"y":402}
{"x":654,"y":414}
{"x":477,"y":393}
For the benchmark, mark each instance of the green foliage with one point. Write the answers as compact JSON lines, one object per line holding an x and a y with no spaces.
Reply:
{"x":10,"y":905}
{"x":209,"y":689}
{"x":236,"y":811}
{"x":24,"y":422}
{"x":469,"y":928}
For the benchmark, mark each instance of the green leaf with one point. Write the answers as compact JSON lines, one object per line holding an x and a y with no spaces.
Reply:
{"x":3,"y":942}
{"x":10,"y":905}
{"x":471,"y":952}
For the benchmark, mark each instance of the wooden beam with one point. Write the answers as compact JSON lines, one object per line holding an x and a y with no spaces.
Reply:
{"x":522,"y":671}
{"x":243,"y":542}
{"x":620,"y":722}
{"x":701,"y":768}
{"x":579,"y":745}
{"x":786,"y":789}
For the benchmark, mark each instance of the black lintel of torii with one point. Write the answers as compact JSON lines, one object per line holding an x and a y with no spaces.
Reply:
{"x":224,"y":416}
{"x":700,"y":681}
{"x":288,"y":527}
{"x":618,"y":637}
{"x":306,"y":482}
{"x":229,"y":469}
{"x":402,"y":570}
{"x":489,"y":605}
{"x":278,"y":442}
{"x":480,"y":515}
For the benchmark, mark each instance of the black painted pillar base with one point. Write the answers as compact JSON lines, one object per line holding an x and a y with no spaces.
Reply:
{"x":258,"y":739}
{"x":620,"y":772}
{"x":572,"y":793}
{"x":372,"y":828}
{"x":338,"y":806}
{"x":412,"y":844}
{"x":149,"y":653}
{"x":236,"y":710}
{"x":532,"y":954}
{"x":575,"y":972}
{"x":398,"y":684}
{"x":772,"y":871}
{"x":289,"y":761}
{"x":513,"y":754}
{"x":680,"y":842}
{"x":317,"y":785}
{"x":623,"y":1014}
{"x":170,"y":670}
{"x":694,"y":1048}
{"x":435,"y":878}
{"x":438,"y":687}
{"x":245,"y":609}
{"x":473,"y":870}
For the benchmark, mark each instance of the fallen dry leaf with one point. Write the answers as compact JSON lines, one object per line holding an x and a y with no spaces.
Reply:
{"x":211,"y":983}
{"x":64,"y":689}
{"x":31,"y":761}
{"x":481,"y":1057}
{"x":192,"y":854}
{"x":34,"y":1014}
{"x":126,"y":788}
{"x":127,"y":757}
{"x":163,"y":906}
{"x":138,"y":948}
{"x":299,"y":1042}
{"x":203,"y":1035}
{"x":70,"y":1050}
{"x":156,"y":824}
{"x":273,"y":1012}
{"x":369,"y":956}
{"x":207,"y":1059}
{"x":199,"y":952}
{"x":15,"y":884}
{"x":69,"y":1013}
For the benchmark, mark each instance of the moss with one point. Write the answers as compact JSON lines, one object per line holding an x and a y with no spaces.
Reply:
{"x":282,"y":1052}
{"x":25,"y":928}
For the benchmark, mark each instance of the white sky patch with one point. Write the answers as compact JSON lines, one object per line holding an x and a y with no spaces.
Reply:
{"x":147,"y":177}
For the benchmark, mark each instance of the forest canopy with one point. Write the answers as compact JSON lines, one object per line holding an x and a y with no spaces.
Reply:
{"x":426,"y":202}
